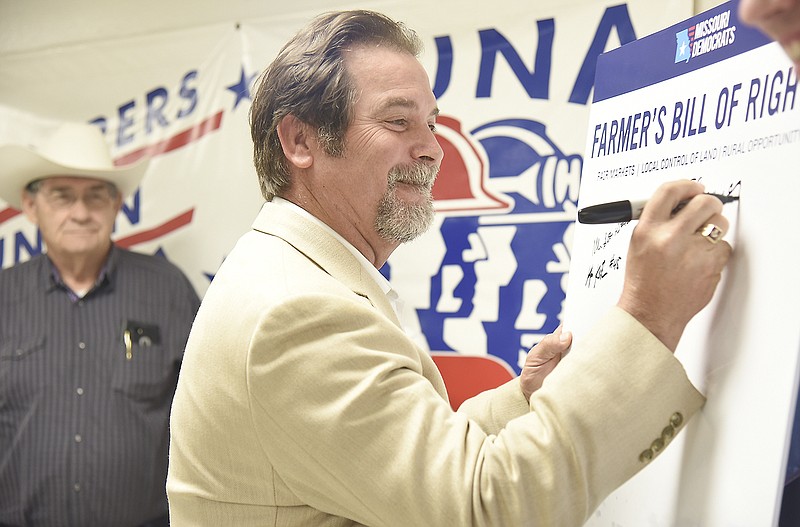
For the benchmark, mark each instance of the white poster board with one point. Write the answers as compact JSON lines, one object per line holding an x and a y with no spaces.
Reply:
{"x":713,"y":100}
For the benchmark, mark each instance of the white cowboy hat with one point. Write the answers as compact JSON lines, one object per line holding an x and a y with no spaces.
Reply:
{"x":74,"y":149}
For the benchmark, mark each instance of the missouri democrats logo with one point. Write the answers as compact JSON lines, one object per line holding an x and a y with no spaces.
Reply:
{"x":713,"y":33}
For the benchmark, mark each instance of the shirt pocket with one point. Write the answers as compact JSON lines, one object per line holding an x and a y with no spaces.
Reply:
{"x":142,"y":371}
{"x":19,"y":355}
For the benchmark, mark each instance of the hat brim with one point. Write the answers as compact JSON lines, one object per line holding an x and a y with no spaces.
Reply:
{"x":20,"y":166}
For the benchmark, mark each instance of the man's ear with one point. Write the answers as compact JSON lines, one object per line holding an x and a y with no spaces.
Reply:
{"x":296,"y":141}
{"x":118,"y":201}
{"x":29,"y":206}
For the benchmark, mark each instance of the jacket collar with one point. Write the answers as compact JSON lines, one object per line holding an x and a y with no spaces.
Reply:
{"x":323,"y":249}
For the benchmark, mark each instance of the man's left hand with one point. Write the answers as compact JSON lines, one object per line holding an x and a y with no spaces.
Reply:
{"x":542,"y":359}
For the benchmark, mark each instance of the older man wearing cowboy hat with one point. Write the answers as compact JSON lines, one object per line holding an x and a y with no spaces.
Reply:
{"x":91,"y":339}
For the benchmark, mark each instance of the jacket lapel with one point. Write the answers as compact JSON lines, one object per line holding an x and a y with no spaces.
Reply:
{"x":324,"y":250}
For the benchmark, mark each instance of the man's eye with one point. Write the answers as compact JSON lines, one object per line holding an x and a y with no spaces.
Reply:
{"x":432,"y":126}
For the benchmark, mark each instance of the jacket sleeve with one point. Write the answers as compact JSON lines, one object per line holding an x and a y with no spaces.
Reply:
{"x":353,"y":427}
{"x":493,"y":409}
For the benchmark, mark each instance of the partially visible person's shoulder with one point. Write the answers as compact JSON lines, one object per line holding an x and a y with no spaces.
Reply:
{"x":154,"y":270}
{"x":23,"y":279}
{"x":22,"y":269}
{"x":148,"y":262}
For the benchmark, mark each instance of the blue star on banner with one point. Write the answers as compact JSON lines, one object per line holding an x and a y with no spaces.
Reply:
{"x":242,"y":88}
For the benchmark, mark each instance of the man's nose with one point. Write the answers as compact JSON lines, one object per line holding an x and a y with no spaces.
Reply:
{"x":428,"y":149}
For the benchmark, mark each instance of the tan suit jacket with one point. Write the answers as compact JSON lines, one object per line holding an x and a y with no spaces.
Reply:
{"x":301,"y":402}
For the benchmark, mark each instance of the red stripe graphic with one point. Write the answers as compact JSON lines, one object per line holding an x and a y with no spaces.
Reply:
{"x":168,"y":226}
{"x":8,"y":213}
{"x":173,"y":143}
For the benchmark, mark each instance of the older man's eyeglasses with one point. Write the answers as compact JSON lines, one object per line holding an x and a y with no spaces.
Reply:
{"x":65,"y":198}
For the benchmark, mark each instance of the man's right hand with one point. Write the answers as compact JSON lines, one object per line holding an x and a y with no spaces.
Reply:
{"x":672,"y":270}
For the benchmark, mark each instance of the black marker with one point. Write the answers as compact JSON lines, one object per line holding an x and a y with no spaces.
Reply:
{"x":619,"y":211}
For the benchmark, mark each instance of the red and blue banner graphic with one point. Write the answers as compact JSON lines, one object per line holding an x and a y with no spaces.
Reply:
{"x":513,"y":80}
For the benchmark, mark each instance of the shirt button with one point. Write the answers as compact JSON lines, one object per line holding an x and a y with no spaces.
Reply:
{"x":82,"y":345}
{"x":78,"y":438}
{"x":79,"y":391}
{"x":76,"y":487}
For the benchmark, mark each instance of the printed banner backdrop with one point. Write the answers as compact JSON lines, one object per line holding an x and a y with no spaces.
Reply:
{"x":513,"y":81}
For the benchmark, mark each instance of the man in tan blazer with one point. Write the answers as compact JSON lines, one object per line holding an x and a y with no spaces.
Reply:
{"x":301,"y":401}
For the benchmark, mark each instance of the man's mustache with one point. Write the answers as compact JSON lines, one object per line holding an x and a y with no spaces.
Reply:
{"x":418,"y":174}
